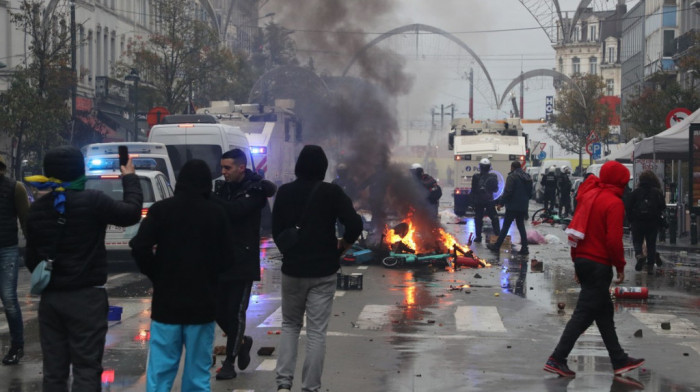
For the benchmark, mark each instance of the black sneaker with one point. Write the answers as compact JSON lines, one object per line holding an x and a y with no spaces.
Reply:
{"x":629,"y":364}
{"x":640,"y":263}
{"x":558,"y":367}
{"x":650,"y":269}
{"x":523,"y":252}
{"x":13,"y":356}
{"x":658,"y":260}
{"x":244,"y":352}
{"x":493,"y":248}
{"x":227,"y":371}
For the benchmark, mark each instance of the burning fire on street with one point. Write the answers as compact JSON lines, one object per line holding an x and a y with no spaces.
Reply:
{"x":409,"y":243}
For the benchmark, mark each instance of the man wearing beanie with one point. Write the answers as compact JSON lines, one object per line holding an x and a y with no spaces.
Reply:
{"x":13,"y":205}
{"x":69,"y":224}
{"x":595,"y":236}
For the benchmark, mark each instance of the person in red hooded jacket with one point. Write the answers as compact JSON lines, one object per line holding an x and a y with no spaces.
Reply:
{"x":595,"y":236}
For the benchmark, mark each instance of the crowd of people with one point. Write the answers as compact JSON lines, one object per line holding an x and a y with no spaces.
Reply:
{"x":208,"y":242}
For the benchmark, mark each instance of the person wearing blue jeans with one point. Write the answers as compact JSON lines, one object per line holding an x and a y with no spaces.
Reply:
{"x":13,"y":205}
{"x":191,"y":235}
{"x":167,"y":341}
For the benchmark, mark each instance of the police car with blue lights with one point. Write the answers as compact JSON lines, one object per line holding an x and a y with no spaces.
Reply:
{"x":102,"y":173}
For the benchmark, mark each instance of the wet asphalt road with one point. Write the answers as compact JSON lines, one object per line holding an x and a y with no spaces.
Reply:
{"x":407,"y":330}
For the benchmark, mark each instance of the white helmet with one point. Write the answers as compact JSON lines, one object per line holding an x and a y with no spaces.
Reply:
{"x":566,"y":169}
{"x":416,"y":166}
{"x":485,"y":161}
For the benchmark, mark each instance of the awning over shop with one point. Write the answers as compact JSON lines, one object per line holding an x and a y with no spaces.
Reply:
{"x":98,"y":126}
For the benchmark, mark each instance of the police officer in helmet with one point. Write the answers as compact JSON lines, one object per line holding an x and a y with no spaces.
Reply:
{"x":484,"y":185}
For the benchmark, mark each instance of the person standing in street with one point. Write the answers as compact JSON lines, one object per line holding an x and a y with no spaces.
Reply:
{"x":549,"y":182}
{"x":68,"y":225}
{"x":244,"y":195}
{"x":434,"y":191}
{"x":644,"y":207}
{"x":516,"y":198}
{"x":564,"y":189}
{"x":183,"y":246}
{"x":309,"y":266}
{"x":484,"y":185}
{"x":13,"y":206}
{"x":595,"y":236}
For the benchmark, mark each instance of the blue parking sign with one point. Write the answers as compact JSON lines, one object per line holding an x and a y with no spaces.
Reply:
{"x":596,"y":149}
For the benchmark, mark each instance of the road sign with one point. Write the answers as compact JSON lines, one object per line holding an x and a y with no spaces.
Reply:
{"x":592,"y":137}
{"x":588,"y":148}
{"x":539,"y":147}
{"x":677,"y":115}
{"x":549,"y":104}
{"x":542,"y":155}
{"x":596,"y":149}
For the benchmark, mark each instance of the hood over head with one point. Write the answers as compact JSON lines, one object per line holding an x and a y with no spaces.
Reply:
{"x":614,"y":173}
{"x":65,"y":163}
{"x":194,"y":178}
{"x":311,"y":164}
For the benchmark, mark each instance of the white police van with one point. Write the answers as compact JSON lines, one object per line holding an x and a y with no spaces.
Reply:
{"x":199,"y":136}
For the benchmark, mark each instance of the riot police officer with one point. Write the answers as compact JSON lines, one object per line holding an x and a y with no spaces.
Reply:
{"x":549,"y":182}
{"x":484,"y":185}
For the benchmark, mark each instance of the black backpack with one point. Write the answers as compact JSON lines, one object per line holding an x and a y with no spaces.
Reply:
{"x":645,"y":207}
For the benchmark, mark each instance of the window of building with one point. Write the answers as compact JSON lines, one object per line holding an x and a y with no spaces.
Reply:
{"x":576,"y":65}
{"x":669,"y":43}
{"x":593,"y":33}
{"x":561,"y":65}
{"x":593,"y":61}
{"x":90,"y":57}
{"x":611,"y":54}
{"x":610,"y":87}
{"x":577,"y":34}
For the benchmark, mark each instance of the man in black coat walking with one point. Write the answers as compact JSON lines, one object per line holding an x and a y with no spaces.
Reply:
{"x":243,"y":194}
{"x":516,"y":198}
{"x":191,"y":238}
{"x":309,"y":266}
{"x":68,"y":224}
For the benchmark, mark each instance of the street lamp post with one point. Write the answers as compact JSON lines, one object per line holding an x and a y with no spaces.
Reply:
{"x":133,"y":76}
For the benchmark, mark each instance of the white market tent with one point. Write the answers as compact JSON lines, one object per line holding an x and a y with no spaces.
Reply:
{"x":624,"y":153}
{"x":669,"y":144}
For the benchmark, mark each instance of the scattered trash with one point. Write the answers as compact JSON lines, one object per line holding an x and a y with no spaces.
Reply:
{"x":561,"y":305}
{"x":666,"y":325}
{"x":507,"y":346}
{"x":535,"y":238}
{"x":265,"y":351}
{"x":477,"y":276}
{"x":631,"y":292}
{"x":638,"y":333}
{"x":419,"y":375}
{"x":536,"y":266}
{"x":552,"y":239}
{"x":440,"y":295}
{"x":496,"y":294}
{"x":685,"y":354}
{"x":431,"y":321}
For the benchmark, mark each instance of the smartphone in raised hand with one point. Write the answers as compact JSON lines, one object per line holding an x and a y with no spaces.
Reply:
{"x":123,"y":155}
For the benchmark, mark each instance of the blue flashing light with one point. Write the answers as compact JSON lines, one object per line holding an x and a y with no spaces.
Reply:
{"x":258,"y":150}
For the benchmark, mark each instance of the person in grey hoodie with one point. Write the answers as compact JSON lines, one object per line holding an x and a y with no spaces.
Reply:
{"x":309,"y":266}
{"x":516,"y":198}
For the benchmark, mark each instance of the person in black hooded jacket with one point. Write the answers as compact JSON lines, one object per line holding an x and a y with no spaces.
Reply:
{"x":516,"y":198}
{"x":644,"y":207}
{"x":309,"y":267}
{"x":243,"y":194}
{"x":191,"y":236}
{"x":73,"y":308}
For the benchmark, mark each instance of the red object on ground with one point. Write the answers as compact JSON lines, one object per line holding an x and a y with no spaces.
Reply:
{"x":463,"y":261}
{"x":631,"y":292}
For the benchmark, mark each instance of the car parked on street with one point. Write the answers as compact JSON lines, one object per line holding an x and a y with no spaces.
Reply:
{"x":155,"y":187}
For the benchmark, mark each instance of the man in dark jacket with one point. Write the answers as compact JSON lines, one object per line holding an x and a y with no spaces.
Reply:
{"x":309,"y":267}
{"x":13,"y":206}
{"x":564,"y":188}
{"x":516,"y":198}
{"x":644,"y":207}
{"x":484,"y":185}
{"x":549,"y":182}
{"x":69,"y":223}
{"x":243,"y":194}
{"x":433,"y":190}
{"x":192,"y":240}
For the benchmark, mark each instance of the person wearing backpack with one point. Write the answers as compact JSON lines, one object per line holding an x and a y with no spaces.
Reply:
{"x":516,"y":198}
{"x":644,"y":207}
